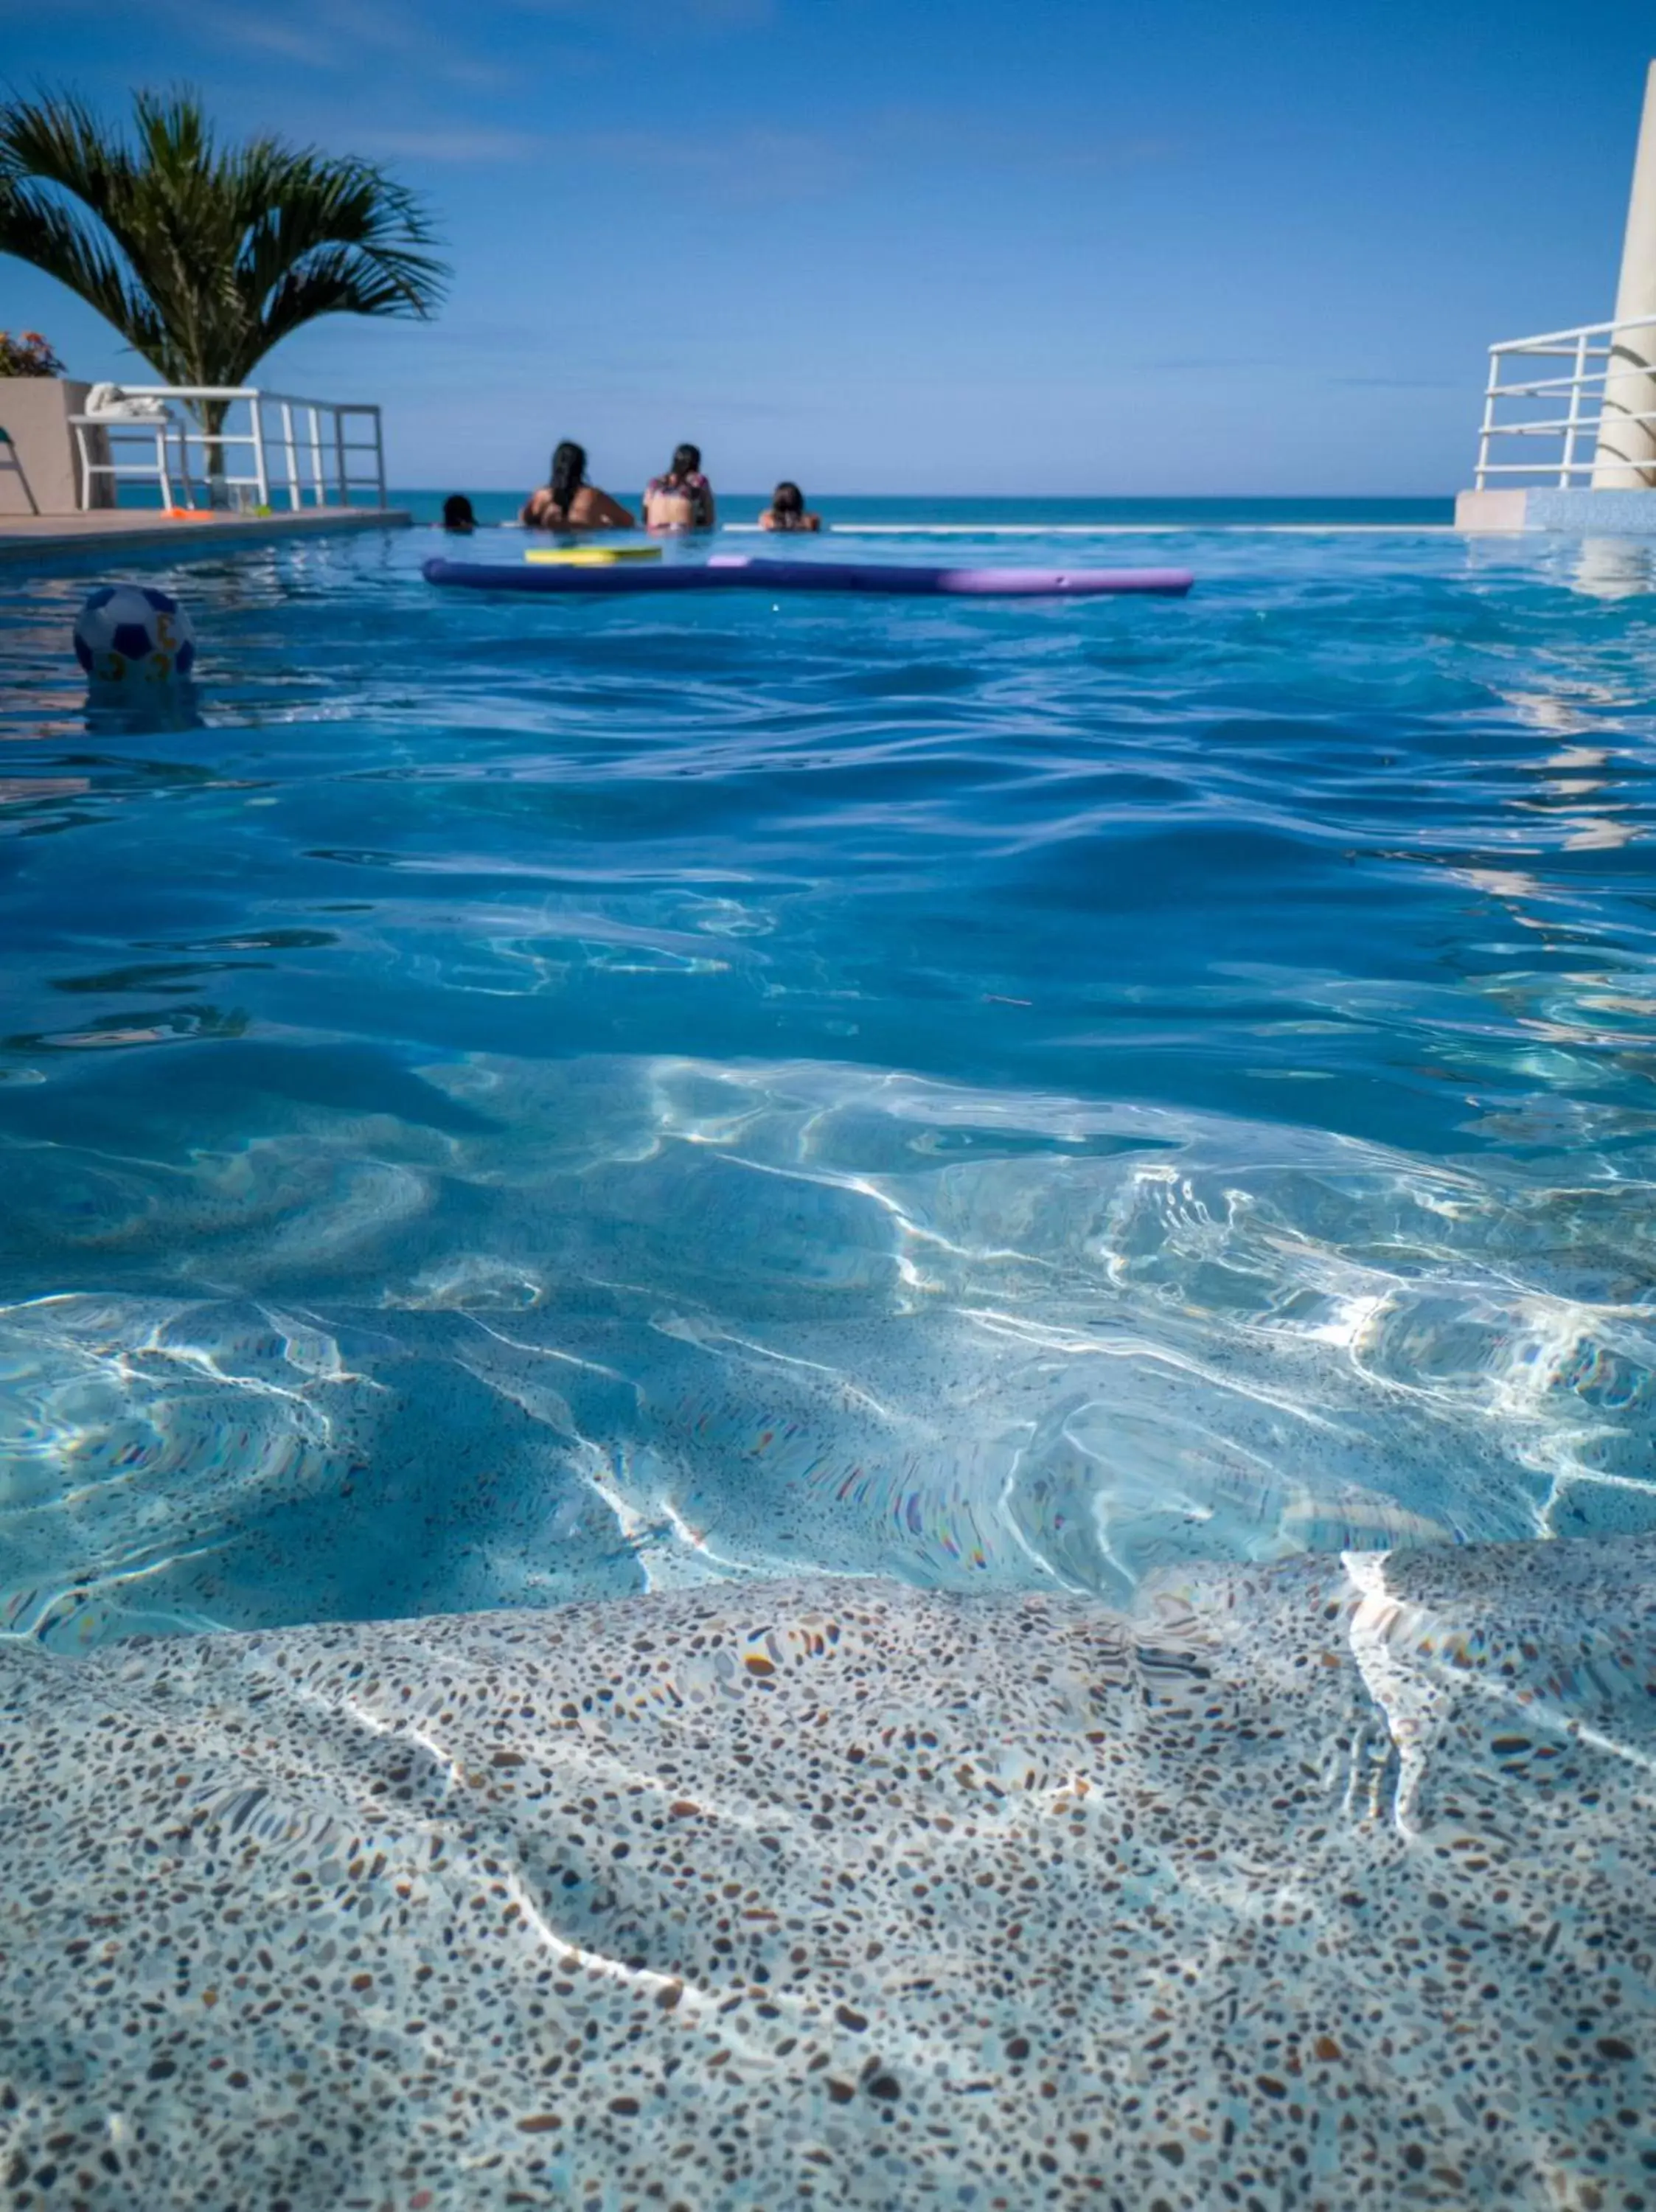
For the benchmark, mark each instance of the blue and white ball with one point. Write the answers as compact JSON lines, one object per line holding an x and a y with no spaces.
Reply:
{"x":129,"y":633}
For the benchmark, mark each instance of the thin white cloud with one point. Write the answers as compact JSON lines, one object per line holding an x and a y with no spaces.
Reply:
{"x":336,"y":36}
{"x":222,"y":22}
{"x":732,"y":14}
{"x":479,"y":144}
{"x":266,"y":34}
{"x":1401,"y":383}
{"x":708,"y":153}
{"x":656,"y":17}
{"x":978,"y":140}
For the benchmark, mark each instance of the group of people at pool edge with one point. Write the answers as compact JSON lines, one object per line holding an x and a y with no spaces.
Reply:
{"x":681,"y":499}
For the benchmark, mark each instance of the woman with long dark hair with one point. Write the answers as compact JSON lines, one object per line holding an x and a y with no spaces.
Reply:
{"x":787,"y":510}
{"x":567,"y":501}
{"x":683,"y":498}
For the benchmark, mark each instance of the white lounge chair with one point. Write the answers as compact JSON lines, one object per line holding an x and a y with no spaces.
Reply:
{"x":123,"y":415}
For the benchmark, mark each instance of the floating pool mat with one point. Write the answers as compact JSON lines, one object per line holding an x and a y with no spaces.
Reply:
{"x":738,"y":572}
{"x":590,"y":556}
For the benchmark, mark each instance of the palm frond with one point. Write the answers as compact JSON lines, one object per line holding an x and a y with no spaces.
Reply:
{"x":335,"y":280}
{"x":341,"y":230}
{"x":60,"y":182}
{"x":205,"y":256}
{"x":59,"y":140}
{"x":74,"y":246}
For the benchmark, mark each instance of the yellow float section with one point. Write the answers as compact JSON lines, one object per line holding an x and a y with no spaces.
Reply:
{"x":593,"y":556}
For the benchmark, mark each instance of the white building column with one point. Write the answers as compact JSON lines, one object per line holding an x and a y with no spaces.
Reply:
{"x":1625,"y":457}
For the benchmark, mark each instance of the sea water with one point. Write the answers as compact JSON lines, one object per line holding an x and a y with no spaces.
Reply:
{"x":944,"y":1313}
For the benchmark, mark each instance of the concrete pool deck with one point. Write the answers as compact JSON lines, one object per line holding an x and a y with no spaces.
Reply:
{"x":21,"y":535}
{"x":1576,"y":513}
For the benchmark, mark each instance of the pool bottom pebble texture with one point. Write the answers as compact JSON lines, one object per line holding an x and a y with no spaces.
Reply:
{"x":1324,"y":1884}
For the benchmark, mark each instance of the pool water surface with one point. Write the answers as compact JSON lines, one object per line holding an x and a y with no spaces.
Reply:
{"x":517,"y":1100}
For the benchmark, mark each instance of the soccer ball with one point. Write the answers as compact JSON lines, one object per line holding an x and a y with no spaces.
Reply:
{"x":133,"y":633}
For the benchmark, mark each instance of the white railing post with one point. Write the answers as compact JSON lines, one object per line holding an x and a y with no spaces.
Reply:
{"x":260,"y":472}
{"x":1573,"y":392}
{"x":1567,"y":465}
{"x":292,"y":453}
{"x":233,"y":478}
{"x":1488,"y":420}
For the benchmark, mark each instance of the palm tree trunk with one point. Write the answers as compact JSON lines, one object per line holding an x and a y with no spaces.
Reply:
{"x":211,"y":413}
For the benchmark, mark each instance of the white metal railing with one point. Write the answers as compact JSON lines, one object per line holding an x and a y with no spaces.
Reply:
{"x":309,"y":455}
{"x":1583,"y":402}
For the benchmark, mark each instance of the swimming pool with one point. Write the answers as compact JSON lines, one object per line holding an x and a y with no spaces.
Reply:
{"x":1086,"y":1106}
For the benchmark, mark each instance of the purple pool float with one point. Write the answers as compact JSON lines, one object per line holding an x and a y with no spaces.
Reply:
{"x":738,"y":572}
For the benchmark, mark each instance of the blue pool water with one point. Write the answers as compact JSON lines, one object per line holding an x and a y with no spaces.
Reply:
{"x":507,"y":1100}
{"x":1046,"y":1208}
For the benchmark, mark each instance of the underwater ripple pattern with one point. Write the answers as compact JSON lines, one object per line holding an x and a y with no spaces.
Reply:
{"x":1326,"y":1886}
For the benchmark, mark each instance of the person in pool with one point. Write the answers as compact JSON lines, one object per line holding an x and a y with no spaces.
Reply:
{"x":457,"y":514}
{"x":683,"y":498}
{"x":787,"y":511}
{"x":567,"y":501}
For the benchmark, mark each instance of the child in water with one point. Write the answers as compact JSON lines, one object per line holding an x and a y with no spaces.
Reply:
{"x":458,"y":515}
{"x":787,"y":511}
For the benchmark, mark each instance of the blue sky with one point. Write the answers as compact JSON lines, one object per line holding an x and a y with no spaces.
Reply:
{"x":1001,"y":246}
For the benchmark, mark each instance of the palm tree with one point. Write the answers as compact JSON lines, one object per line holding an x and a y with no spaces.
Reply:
{"x":203,"y":256}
